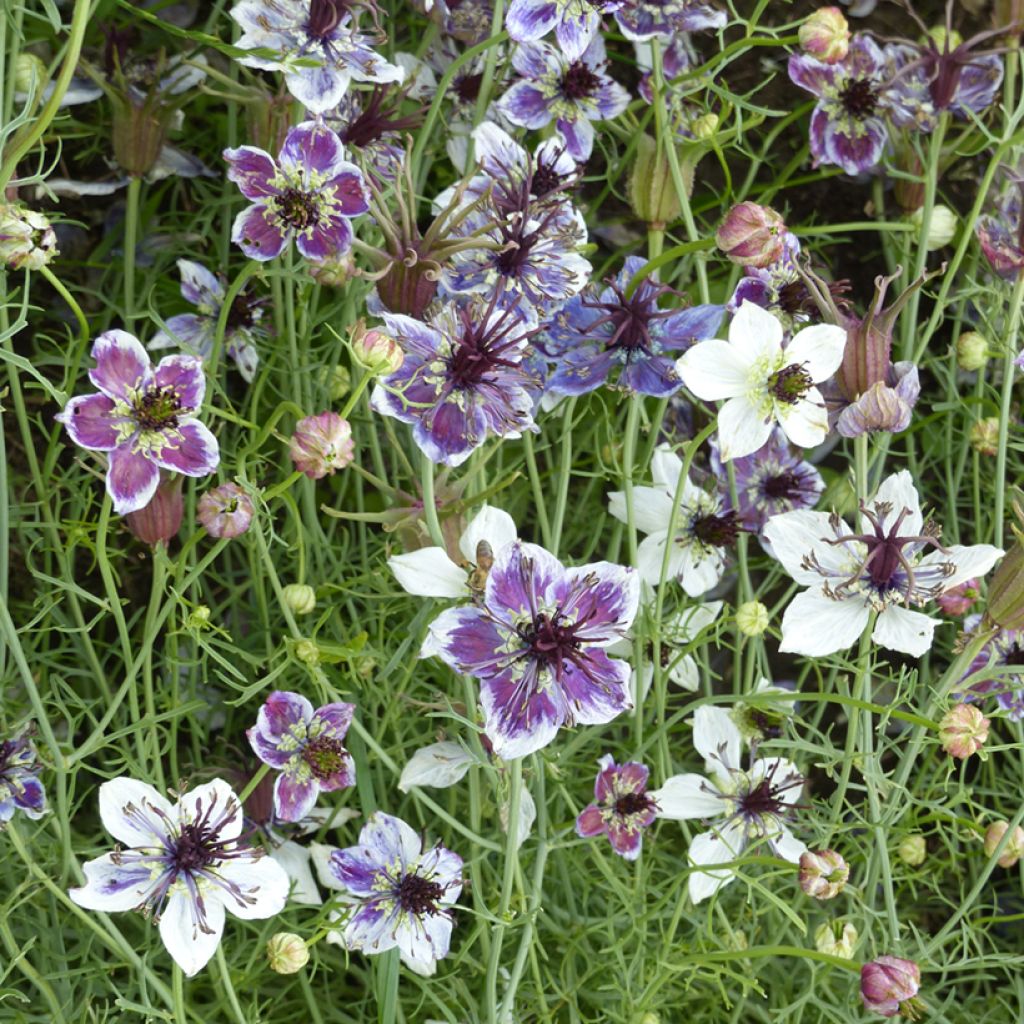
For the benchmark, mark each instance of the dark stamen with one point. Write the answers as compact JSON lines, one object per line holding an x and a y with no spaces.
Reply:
{"x":419,"y":896}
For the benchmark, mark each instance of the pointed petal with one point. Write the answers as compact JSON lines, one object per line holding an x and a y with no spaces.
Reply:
{"x":189,"y":939}
{"x":715,"y":369}
{"x":816,"y":625}
{"x":134,"y":813}
{"x":689,"y":796}
{"x":717,"y":739}
{"x":429,"y":572}
{"x":901,"y":629}
{"x":132,"y":480}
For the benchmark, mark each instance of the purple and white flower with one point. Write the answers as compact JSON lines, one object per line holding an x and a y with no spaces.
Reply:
{"x":621,"y":809}
{"x":595,"y":332}
{"x":575,"y":22}
{"x":309,"y":193}
{"x":20,"y":788}
{"x":537,"y":642}
{"x":1003,"y":650}
{"x":641,"y":20}
{"x":881,"y":570}
{"x":144,"y":418}
{"x":402,"y":895}
{"x":572,"y":92}
{"x":305,"y":746}
{"x":183,"y":864}
{"x":751,"y":806}
{"x":316,"y":43}
{"x":196,"y":332}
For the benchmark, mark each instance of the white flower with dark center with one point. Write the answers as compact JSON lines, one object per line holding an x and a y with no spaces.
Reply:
{"x":882,"y":569}
{"x":764,"y":382}
{"x":743,"y":807}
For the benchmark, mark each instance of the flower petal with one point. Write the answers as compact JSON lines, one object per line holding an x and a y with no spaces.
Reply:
{"x":191,"y":939}
{"x":429,"y":572}
{"x":816,"y":625}
{"x":114,"y":885}
{"x":132,"y":480}
{"x":490,"y":524}
{"x":717,"y":739}
{"x":741,"y":429}
{"x":134,"y":813}
{"x":252,"y":170}
{"x":190,"y":449}
{"x":122,"y":365}
{"x":688,"y":796}
{"x":818,"y":349}
{"x":90,"y":422}
{"x":715,"y":369}
{"x":707,"y":850}
{"x":258,"y":234}
{"x":901,"y":629}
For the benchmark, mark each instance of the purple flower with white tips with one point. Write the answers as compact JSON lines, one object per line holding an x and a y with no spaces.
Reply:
{"x":536,"y":641}
{"x":197,"y":331}
{"x":403,"y":894}
{"x":463,"y":378}
{"x":571,"y":92}
{"x":596,"y":332}
{"x":20,"y":788}
{"x":621,"y":809}
{"x":144,"y":418}
{"x":309,"y":193}
{"x":641,"y":20}
{"x":575,"y":22}
{"x":306,"y":747}
{"x":183,"y":864}
{"x":316,"y":43}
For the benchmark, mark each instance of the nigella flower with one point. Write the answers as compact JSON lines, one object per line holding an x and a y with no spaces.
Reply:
{"x":571,"y":92}
{"x":1001,"y":233}
{"x":621,"y":809}
{"x":316,"y":43}
{"x":196,"y":331}
{"x":309,"y":193}
{"x":365,"y":125}
{"x":702,"y":533}
{"x":774,"y":479}
{"x":462,"y":379}
{"x":575,"y":22}
{"x":182,"y":863}
{"x":1004,"y":649}
{"x":594,"y":333}
{"x":536,"y":641}
{"x":751,"y":805}
{"x":20,"y":788}
{"x":402,"y":895}
{"x":305,"y":746}
{"x":882,"y":569}
{"x":144,"y":418}
{"x":847,"y":126}
{"x":642,"y":20}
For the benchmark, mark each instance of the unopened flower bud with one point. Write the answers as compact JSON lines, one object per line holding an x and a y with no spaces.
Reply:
{"x":1014,"y":848}
{"x":825,"y":35}
{"x":376,"y":351}
{"x":752,"y":618}
{"x":836,"y":938}
{"x":225,"y":511}
{"x":752,"y":235}
{"x":971,"y":351}
{"x":963,"y":731}
{"x":652,"y":193}
{"x":300,"y":598}
{"x":287,"y":953}
{"x":913,"y":849}
{"x":160,"y":520}
{"x":321,"y":445}
{"x":139,"y":131}
{"x":29,"y":74}
{"x":339,"y":382}
{"x":889,"y":986}
{"x":960,"y":599}
{"x":984,"y":435}
{"x":945,"y":38}
{"x":308,"y":653}
{"x":705,"y":127}
{"x":941,"y":227}
{"x":27,"y":242}
{"x":823,"y":873}
{"x":336,"y":273}
{"x":199,"y":617}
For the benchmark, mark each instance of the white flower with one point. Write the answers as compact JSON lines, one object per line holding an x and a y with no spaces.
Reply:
{"x":429,"y":572}
{"x":880,"y":569}
{"x":764,"y":382}
{"x":750,"y":805}
{"x":701,"y":534}
{"x":439,"y":765}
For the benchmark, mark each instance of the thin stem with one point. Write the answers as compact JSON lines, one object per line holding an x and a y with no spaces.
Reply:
{"x":1009,"y":354}
{"x":429,"y":503}
{"x":131,"y":241}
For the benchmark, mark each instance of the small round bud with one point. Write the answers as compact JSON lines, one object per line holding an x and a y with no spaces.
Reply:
{"x":823,"y":873}
{"x":825,"y":35}
{"x":287,"y":953}
{"x":27,"y":242}
{"x":752,"y":235}
{"x":913,"y":850}
{"x":961,"y":598}
{"x":225,"y":511}
{"x":705,"y":127}
{"x":29,"y":74}
{"x":366,"y":667}
{"x":971,"y":351}
{"x":1014,"y":849}
{"x":321,"y":445}
{"x":376,"y":351}
{"x":963,"y":731}
{"x":941,"y":227}
{"x":752,"y":618}
{"x":300,"y":598}
{"x":984,"y":435}
{"x":335,"y":273}
{"x":339,"y":382}
{"x":945,"y":39}
{"x":199,"y":617}
{"x":889,"y":986}
{"x":836,"y":938}
{"x":308,"y":653}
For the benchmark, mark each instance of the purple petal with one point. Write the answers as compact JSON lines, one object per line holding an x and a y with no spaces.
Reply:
{"x":524,"y":104}
{"x":529,"y":20}
{"x":522,"y":577}
{"x":258,"y":234}
{"x":575,"y":33}
{"x":590,"y":822}
{"x":467,"y":640}
{"x":626,"y":839}
{"x":267,"y":749}
{"x":582,"y":370}
{"x":337,"y":717}
{"x":311,"y":148}
{"x":453,"y":430}
{"x":355,"y":870}
{"x":90,"y":423}
{"x":350,"y":193}
{"x":633,"y":777}
{"x":536,"y":60}
{"x":188,"y":331}
{"x":293,"y":800}
{"x":519,"y":718}
{"x":189,"y":449}
{"x":601,"y":693}
{"x":855,"y":153}
{"x":682,"y":329}
{"x":317,"y":89}
{"x":252,"y":170}
{"x":184,"y":375}
{"x":122,"y":365}
{"x":280,"y":711}
{"x":611,"y":100}
{"x":655,"y":375}
{"x":31,"y":797}
{"x":131,"y":480}
{"x":579,"y":138}
{"x":605,"y":596}
{"x":199,"y":286}
{"x":811,"y":74}
{"x":325,"y":241}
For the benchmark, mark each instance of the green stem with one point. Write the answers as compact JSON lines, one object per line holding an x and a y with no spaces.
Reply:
{"x":1009,"y":354}
{"x":131,"y":237}
{"x":429,"y":504}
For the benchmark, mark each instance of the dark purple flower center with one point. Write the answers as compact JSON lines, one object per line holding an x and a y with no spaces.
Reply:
{"x":545,"y":180}
{"x":158,"y":408}
{"x":467,"y":87}
{"x":782,"y":486}
{"x":630,"y":317}
{"x":482,"y":347}
{"x":717,"y":530}
{"x":299,"y":209}
{"x":762,"y":801}
{"x":1014,"y":656}
{"x":374,"y":122}
{"x":579,"y":82}
{"x":6,"y":749}
{"x":418,"y":895}
{"x":552,"y":641}
{"x":325,"y":756}
{"x":242,"y":315}
{"x":859,"y":98}
{"x":790,"y":384}
{"x":196,"y":848}
{"x":324,"y":16}
{"x":631,"y":803}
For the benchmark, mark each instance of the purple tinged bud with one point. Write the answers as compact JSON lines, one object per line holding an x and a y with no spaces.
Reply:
{"x":884,"y":406}
{"x":960,"y":599}
{"x":225,"y":511}
{"x":823,"y":873}
{"x":375,"y":350}
{"x":159,"y":521}
{"x":825,"y":35}
{"x":321,"y":445}
{"x":963,"y":731}
{"x":1014,"y":848}
{"x":27,"y":242}
{"x":752,"y":235}
{"x":889,"y":986}
{"x":335,"y":273}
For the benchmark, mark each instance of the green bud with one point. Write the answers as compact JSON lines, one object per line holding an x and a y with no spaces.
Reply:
{"x":651,"y":191}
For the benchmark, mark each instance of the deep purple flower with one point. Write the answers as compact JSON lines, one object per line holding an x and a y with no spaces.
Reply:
{"x":463,"y":378}
{"x":403,"y":895}
{"x":316,"y":43}
{"x":367,"y":127}
{"x":1005,"y":649}
{"x":143,"y":417}
{"x":20,"y":788}
{"x":309,"y":193}
{"x":621,"y":809}
{"x":1001,"y":233}
{"x":305,"y":746}
{"x":595,"y":333}
{"x":225,"y":511}
{"x":572,"y":93}
{"x":536,"y":641}
{"x":641,"y":20}
{"x":847,"y":126}
{"x":575,"y":22}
